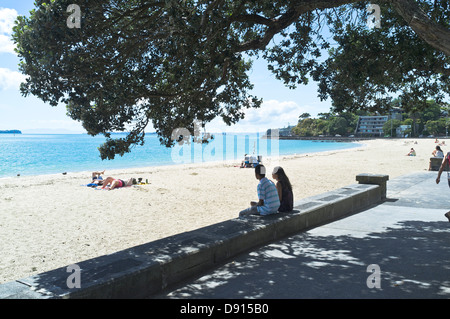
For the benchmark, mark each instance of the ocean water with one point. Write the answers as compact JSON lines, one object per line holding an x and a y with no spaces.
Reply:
{"x":37,"y":154}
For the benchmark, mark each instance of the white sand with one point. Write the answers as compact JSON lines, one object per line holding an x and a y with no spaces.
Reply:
{"x":52,"y":221}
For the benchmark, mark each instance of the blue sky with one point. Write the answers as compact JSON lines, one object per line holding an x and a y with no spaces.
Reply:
{"x":281,"y":106}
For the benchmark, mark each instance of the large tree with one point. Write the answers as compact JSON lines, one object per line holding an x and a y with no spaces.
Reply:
{"x":175,"y":62}
{"x":369,"y":66}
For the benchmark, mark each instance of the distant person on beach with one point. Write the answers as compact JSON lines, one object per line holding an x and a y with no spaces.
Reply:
{"x":249,"y":161}
{"x":245,"y":162}
{"x":117,"y":183}
{"x":284,"y":189}
{"x":268,"y":200}
{"x":438,"y":152}
{"x":412,"y":152}
{"x":97,"y":178}
{"x":97,"y":175}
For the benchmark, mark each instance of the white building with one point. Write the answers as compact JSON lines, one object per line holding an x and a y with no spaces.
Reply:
{"x":371,"y":125}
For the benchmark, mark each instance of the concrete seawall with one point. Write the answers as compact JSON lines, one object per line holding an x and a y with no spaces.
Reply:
{"x":143,"y":270}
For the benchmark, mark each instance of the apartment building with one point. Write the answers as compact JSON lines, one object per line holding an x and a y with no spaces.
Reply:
{"x":371,"y":125}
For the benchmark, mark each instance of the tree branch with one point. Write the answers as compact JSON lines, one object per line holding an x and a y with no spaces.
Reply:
{"x":208,"y":11}
{"x":287,"y":19}
{"x":252,"y":18}
{"x":435,"y":35}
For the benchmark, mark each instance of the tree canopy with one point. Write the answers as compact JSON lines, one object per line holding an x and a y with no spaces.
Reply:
{"x":174,"y":62}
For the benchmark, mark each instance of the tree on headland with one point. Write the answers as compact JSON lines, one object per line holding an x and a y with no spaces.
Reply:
{"x":174,"y":62}
{"x":304,"y":116}
{"x":433,"y":120}
{"x":327,"y":124}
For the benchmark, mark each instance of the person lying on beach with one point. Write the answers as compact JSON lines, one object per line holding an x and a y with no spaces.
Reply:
{"x":97,"y":175}
{"x":269,"y":201}
{"x":97,"y":178}
{"x":284,"y":189}
{"x":117,"y":183}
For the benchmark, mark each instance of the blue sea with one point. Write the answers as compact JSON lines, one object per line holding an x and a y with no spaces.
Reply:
{"x":38,"y":154}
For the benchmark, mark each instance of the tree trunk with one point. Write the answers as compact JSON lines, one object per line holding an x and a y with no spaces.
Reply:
{"x":432,"y":33}
{"x":435,"y":35}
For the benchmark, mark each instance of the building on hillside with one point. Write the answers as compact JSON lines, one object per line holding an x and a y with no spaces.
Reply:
{"x":286,"y":131}
{"x":371,"y":125}
{"x":402,"y":129}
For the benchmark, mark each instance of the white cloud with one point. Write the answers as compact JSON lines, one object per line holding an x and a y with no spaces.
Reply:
{"x":6,"y":45}
{"x":10,"y":79}
{"x":271,"y":114}
{"x":7,"y":18}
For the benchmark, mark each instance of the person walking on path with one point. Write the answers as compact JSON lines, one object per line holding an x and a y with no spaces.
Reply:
{"x":445,"y":163}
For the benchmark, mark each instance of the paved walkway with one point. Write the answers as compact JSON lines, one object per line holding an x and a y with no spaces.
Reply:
{"x":407,"y":238}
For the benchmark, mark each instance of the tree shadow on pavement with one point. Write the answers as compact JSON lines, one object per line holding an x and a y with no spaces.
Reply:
{"x":413,"y":257}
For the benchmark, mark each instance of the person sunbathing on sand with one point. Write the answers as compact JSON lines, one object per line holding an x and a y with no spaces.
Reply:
{"x":97,"y":175}
{"x":412,"y":152}
{"x":97,"y":178}
{"x":117,"y":183}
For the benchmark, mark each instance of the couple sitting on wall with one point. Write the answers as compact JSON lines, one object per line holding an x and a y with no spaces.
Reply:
{"x":272,"y":198}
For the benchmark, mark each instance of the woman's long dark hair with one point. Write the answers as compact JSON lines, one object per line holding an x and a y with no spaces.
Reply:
{"x":283,"y":178}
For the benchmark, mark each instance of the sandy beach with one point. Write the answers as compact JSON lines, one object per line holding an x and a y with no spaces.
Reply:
{"x":51,"y":221}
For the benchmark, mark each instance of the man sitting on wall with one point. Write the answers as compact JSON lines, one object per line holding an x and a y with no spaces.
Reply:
{"x":267,"y":195}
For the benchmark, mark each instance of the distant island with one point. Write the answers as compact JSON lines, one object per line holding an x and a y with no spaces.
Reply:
{"x":10,"y":132}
